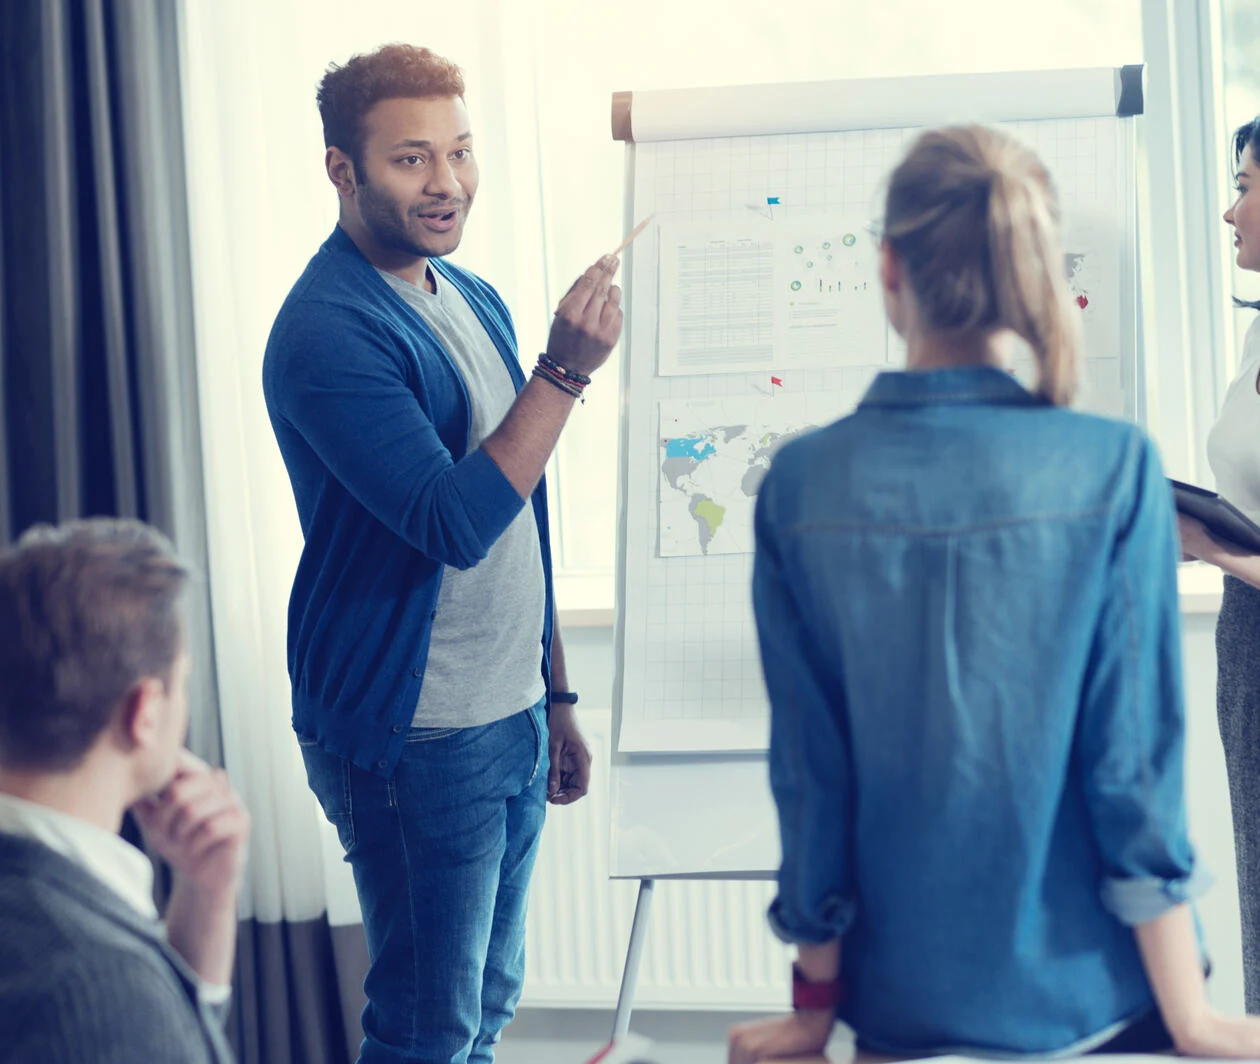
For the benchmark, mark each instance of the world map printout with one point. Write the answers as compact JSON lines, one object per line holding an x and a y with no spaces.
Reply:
{"x":714,"y":454}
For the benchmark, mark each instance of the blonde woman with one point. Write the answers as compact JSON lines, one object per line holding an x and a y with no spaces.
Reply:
{"x":1234,"y":453}
{"x":967,"y":606}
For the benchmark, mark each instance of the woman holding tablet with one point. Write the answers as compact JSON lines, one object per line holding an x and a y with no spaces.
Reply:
{"x":966,"y":600}
{"x":1234,"y":454}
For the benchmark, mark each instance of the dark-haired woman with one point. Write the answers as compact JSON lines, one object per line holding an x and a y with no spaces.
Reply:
{"x":1234,"y":453}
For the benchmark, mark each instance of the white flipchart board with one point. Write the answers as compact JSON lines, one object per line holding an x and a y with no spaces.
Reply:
{"x":758,"y":195}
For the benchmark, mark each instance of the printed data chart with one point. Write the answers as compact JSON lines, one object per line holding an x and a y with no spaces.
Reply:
{"x":718,"y":303}
{"x":748,"y":292}
{"x":827,"y":280}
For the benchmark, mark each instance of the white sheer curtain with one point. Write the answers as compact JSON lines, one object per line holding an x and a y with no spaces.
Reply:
{"x":260,"y":205}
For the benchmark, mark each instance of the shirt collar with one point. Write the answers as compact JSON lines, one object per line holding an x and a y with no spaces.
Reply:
{"x":109,"y":857}
{"x":960,"y":385}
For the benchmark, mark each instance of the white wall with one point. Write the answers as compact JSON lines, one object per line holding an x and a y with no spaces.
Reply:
{"x":1208,"y":799}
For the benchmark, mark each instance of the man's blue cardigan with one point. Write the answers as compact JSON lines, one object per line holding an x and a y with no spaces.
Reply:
{"x":372,"y":420}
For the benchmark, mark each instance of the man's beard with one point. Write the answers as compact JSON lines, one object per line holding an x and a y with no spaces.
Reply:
{"x":387,"y":222}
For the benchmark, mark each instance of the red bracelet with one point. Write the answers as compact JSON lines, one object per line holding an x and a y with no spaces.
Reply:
{"x":568,"y":387}
{"x":573,"y":387}
{"x":811,"y":996}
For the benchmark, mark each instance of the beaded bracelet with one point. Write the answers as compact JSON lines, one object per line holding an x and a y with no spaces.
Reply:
{"x":557,"y":381}
{"x":560,"y":377}
{"x":567,"y":374}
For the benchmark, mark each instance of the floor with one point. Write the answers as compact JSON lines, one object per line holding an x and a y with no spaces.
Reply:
{"x":573,"y":1036}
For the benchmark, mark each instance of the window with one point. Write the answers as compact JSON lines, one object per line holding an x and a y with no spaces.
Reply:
{"x":1240,"y":27}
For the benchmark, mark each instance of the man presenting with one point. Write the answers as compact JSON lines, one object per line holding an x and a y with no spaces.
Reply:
{"x":429,"y":694}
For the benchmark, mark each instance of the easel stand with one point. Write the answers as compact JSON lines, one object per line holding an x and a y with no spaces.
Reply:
{"x":634,"y":956}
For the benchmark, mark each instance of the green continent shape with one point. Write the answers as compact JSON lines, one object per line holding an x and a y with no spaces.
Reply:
{"x":711,"y":512}
{"x":709,"y":515}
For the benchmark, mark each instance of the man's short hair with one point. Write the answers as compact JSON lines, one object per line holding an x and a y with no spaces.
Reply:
{"x":88,"y":609}
{"x":394,"y":71}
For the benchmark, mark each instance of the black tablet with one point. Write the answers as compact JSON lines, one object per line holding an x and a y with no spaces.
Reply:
{"x":1220,"y":518}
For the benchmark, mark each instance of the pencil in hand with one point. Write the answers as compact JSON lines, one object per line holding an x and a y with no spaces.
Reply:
{"x":633,"y":233}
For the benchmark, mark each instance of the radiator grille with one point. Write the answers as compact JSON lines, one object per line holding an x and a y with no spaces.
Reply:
{"x":708,"y":944}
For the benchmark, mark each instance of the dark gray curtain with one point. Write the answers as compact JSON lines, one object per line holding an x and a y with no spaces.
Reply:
{"x":97,"y":379}
{"x":298,"y":992}
{"x":98,"y":392}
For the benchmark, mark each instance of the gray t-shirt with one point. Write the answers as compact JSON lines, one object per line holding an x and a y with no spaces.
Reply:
{"x":485,"y":652}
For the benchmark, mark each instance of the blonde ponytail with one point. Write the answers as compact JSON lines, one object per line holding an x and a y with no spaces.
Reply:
{"x":973,"y":216}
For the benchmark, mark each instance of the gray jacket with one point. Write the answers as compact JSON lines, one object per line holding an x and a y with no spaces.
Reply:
{"x":85,"y":979}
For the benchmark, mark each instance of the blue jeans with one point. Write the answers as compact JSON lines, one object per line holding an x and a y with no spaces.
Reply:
{"x":442,"y":854}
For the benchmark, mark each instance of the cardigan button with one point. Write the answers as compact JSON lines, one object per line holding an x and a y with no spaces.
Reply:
{"x":382,"y":763}
{"x":397,"y":729}
{"x":417,"y":673}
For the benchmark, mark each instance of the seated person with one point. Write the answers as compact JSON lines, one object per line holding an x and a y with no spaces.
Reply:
{"x":966,"y":600}
{"x":93,"y":714}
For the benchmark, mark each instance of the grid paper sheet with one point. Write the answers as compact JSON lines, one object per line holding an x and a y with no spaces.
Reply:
{"x":691,"y":675}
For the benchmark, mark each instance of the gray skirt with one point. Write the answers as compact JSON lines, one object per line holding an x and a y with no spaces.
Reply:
{"x":1238,"y":714}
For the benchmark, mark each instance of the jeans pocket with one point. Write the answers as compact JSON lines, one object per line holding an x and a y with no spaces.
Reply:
{"x":429,"y":735}
{"x":542,"y":738}
{"x":329,"y":777}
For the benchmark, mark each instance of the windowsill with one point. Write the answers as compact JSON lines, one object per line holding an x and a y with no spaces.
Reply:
{"x":1199,"y":587}
{"x":597,"y":618}
{"x":585,"y":597}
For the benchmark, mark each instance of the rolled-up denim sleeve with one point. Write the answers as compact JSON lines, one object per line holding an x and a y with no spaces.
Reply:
{"x":1130,"y":741}
{"x":810,"y":774}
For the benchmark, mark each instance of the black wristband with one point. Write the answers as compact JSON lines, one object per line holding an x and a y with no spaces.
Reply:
{"x":565,"y":697}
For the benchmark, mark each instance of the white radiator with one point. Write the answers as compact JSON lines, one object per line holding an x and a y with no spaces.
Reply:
{"x":708,"y":945}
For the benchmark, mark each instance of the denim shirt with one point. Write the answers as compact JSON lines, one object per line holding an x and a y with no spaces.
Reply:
{"x":967,"y":606}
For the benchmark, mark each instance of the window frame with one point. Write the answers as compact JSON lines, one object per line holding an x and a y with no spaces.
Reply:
{"x":1184,"y":259}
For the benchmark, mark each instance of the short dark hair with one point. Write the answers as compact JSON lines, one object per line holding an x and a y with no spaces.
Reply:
{"x":87,"y":610}
{"x":394,"y":71}
{"x":1246,"y":136}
